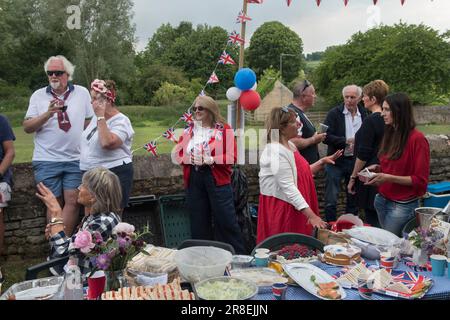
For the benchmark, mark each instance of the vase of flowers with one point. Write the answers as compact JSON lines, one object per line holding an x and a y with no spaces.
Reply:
{"x":111,"y":255}
{"x":424,"y":241}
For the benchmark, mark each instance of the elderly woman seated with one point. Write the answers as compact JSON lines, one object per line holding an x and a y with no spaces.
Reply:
{"x":100,"y":194}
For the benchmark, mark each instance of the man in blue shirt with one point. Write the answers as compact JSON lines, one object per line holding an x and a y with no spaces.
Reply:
{"x":6,"y":158}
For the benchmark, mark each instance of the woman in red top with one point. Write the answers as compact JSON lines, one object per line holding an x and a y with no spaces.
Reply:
{"x":402,"y":175}
{"x":207,"y":151}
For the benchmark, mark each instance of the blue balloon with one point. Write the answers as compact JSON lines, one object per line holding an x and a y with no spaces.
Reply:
{"x":245,"y":79}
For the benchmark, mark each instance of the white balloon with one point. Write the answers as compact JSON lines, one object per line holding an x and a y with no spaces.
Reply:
{"x":254,"y":86}
{"x":233,"y":93}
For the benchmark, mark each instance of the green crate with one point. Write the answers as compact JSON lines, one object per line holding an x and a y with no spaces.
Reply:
{"x":175,"y":220}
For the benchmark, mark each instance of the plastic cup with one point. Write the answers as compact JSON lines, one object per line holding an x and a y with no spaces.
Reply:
{"x":262,"y":250}
{"x":261,"y":259}
{"x":387,"y":261}
{"x":438,"y":263}
{"x":448,"y":268}
{"x":279,"y":290}
{"x":96,"y":285}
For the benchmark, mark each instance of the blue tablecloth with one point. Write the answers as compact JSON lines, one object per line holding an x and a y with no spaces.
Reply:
{"x":440,"y":289}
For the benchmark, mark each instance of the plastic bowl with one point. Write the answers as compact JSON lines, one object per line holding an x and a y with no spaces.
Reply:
{"x":225,"y":288}
{"x":241,"y":261}
{"x":200,"y":263}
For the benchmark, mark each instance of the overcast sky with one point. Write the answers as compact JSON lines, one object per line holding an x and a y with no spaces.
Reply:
{"x":319,"y":27}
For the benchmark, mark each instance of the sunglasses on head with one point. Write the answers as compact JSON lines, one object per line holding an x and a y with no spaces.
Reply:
{"x":306,"y":84}
{"x":56,"y":73}
{"x":199,"y":108}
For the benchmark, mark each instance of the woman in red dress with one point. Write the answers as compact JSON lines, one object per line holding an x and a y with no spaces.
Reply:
{"x":288,"y":199}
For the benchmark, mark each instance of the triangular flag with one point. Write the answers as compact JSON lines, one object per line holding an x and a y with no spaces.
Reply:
{"x":213,"y":78}
{"x":402,"y":1}
{"x":288,"y":2}
{"x":345,"y":2}
{"x":242,"y":17}
{"x":375,"y":2}
{"x":189,"y":128}
{"x":151,"y":147}
{"x":255,"y":1}
{"x":235,"y":37}
{"x":170,"y":135}
{"x":318,"y":2}
{"x":187,"y":117}
{"x":225,"y":58}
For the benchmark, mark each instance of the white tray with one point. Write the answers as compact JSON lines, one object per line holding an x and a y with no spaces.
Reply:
{"x":302,"y":272}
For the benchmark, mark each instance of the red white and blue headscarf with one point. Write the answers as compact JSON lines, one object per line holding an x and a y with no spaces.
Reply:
{"x":100,"y":86}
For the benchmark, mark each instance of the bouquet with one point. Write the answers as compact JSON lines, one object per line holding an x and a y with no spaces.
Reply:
{"x":427,"y":239}
{"x":114,"y":253}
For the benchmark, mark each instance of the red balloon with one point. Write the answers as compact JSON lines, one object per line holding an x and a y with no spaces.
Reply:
{"x":250,"y":100}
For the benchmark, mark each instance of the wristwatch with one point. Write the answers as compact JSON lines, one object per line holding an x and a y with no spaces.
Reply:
{"x":100,"y":118}
{"x":55,"y":220}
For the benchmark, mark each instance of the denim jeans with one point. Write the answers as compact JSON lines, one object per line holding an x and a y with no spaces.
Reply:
{"x":212,"y":205}
{"x":334,"y":176}
{"x":393,"y":216}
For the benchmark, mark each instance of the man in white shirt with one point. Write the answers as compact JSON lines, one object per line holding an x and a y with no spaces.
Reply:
{"x":57,"y":115}
{"x":343,"y":122}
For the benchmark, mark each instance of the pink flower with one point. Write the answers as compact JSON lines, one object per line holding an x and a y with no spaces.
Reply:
{"x":83,"y":241}
{"x":123,"y":227}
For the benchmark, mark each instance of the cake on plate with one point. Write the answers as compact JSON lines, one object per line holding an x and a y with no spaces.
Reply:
{"x":341,"y":254}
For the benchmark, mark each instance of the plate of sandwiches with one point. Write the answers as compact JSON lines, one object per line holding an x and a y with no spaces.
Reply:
{"x":172,"y":291}
{"x":316,"y":281}
{"x":400,"y":284}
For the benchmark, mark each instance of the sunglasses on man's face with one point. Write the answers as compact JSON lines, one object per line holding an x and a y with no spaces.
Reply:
{"x":306,"y":84}
{"x":199,"y":108}
{"x":56,"y":73}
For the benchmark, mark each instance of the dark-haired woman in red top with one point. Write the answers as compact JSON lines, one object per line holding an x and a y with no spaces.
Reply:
{"x":402,"y":175}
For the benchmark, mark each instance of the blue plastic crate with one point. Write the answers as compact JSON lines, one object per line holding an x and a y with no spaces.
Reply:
{"x":438,"y":195}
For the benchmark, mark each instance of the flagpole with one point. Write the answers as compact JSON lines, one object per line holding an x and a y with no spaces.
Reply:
{"x":239,"y":112}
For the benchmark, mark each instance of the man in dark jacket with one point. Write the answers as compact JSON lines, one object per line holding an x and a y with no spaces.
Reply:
{"x":343,"y":122}
{"x":308,"y":139}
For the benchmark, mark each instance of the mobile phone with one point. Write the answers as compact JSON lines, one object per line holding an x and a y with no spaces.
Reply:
{"x":323,"y":128}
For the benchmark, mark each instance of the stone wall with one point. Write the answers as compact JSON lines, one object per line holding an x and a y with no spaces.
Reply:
{"x":25,"y":218}
{"x":432,"y":114}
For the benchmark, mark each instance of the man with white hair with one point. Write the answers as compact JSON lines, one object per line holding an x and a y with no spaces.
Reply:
{"x":343,"y":122}
{"x":57,"y":115}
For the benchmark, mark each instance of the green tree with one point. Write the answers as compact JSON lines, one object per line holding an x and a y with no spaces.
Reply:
{"x":414,"y":59}
{"x":268,"y":43}
{"x":195,"y":51}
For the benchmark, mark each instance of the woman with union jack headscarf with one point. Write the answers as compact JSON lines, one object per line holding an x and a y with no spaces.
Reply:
{"x":107,"y":141}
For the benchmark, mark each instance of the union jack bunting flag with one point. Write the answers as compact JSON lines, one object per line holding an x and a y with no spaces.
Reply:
{"x":402,"y":1}
{"x":255,"y":1}
{"x":235,"y":37}
{"x":219,"y":131}
{"x":318,"y":2}
{"x":219,"y":126}
{"x":213,"y":78}
{"x":375,"y":2}
{"x":345,"y":2}
{"x":242,"y":17}
{"x":187,"y":117}
{"x":170,"y":135}
{"x":225,"y":58}
{"x":288,"y":2}
{"x":189,"y":128}
{"x":151,"y":147}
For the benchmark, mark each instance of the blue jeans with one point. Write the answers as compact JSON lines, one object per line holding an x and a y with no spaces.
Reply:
{"x":334,"y":176}
{"x":212,"y":205}
{"x":393,"y":216}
